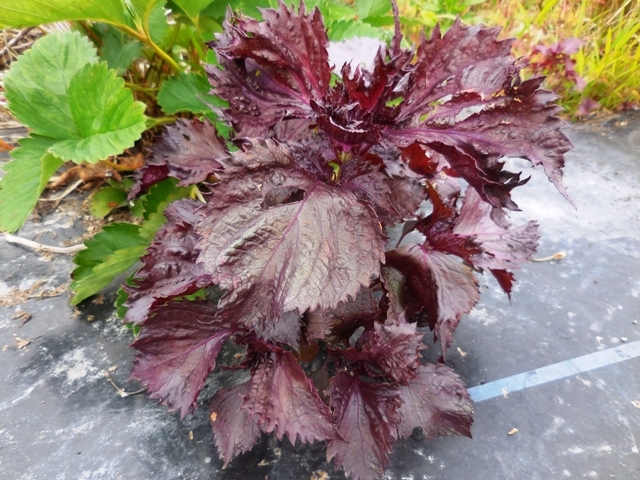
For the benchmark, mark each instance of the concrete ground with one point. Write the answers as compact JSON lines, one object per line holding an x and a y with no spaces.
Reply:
{"x":61,"y":419}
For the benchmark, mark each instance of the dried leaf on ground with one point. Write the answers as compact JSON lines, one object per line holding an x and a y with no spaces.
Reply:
{"x":17,"y":296}
{"x":23,"y":316}
{"x":87,"y":172}
{"x":22,"y":342}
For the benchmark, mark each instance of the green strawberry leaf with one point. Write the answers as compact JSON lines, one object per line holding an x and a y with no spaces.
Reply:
{"x":187,"y":92}
{"x":120,"y":245}
{"x":26,"y":176}
{"x":117,"y":49}
{"x":36,"y":85}
{"x":104,"y":113}
{"x":106,"y":200}
{"x":29,"y":13}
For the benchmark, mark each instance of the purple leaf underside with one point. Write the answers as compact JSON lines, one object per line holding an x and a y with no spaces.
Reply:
{"x":436,"y":285}
{"x":436,"y":401}
{"x":367,"y":415}
{"x":177,"y":349}
{"x":169,"y":266}
{"x":285,"y":401}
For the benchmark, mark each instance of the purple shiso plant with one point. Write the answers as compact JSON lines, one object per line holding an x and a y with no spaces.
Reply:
{"x":291,"y":245}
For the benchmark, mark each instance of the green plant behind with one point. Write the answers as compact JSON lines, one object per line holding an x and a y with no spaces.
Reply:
{"x":609,"y":59}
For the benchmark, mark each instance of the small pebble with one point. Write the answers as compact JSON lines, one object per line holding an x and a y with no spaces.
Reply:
{"x":624,"y":339}
{"x":635,"y":322}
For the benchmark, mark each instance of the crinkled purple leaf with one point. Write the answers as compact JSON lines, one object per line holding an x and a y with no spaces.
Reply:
{"x":192,"y":150}
{"x":169,"y":266}
{"x":393,"y":301}
{"x":393,"y":348}
{"x":344,"y":319}
{"x":464,"y":58}
{"x":272,"y":69}
{"x":435,"y":284}
{"x":438,"y":228}
{"x":432,"y":166}
{"x":234,"y":430}
{"x":502,"y":248}
{"x":488,"y":178}
{"x":367,"y":414}
{"x":368,"y":183}
{"x":519,"y":122}
{"x":407,"y":194}
{"x":285,"y":401}
{"x":146,"y":177}
{"x":293,"y":256}
{"x":286,"y":330}
{"x":177,"y":349}
{"x":436,"y":401}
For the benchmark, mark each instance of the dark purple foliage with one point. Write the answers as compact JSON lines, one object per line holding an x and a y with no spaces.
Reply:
{"x":294,"y":233}
{"x":178,"y":347}
{"x":189,"y":151}
{"x":170,"y":267}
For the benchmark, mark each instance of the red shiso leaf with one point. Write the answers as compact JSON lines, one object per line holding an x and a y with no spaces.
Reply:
{"x":169,"y":266}
{"x":284,"y":400}
{"x":234,"y":430}
{"x":367,"y":414}
{"x":177,"y":349}
{"x":436,"y":401}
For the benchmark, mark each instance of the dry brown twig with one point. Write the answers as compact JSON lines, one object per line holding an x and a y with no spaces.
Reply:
{"x":555,"y":256}
{"x":121,"y":391}
{"x":41,"y":247}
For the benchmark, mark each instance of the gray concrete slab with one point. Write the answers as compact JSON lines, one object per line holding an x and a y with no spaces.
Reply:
{"x":61,"y":419}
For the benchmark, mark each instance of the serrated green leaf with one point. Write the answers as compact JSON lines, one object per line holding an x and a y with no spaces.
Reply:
{"x":106,"y":200}
{"x":29,"y":13}
{"x":157,"y":24}
{"x":36,"y":85}
{"x":192,"y":8}
{"x":104,"y":273}
{"x":344,"y":29}
{"x":372,"y":8}
{"x":218,"y":9}
{"x":26,"y":176}
{"x":382,"y":21}
{"x":120,"y":245}
{"x":117,"y":49}
{"x":111,"y":238}
{"x":187,"y":92}
{"x":111,"y":252}
{"x":149,"y":228}
{"x":162,"y":194}
{"x":143,"y":8}
{"x":105,"y":115}
{"x":121,"y":309}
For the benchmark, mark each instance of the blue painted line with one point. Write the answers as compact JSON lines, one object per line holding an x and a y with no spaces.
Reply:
{"x":555,"y":372}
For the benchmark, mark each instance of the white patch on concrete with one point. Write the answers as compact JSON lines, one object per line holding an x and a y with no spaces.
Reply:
{"x":5,"y":289}
{"x":76,"y":366}
{"x":575,"y":450}
{"x":587,"y":383}
{"x":605,"y":448}
{"x":553,"y":429}
{"x":481,"y":315}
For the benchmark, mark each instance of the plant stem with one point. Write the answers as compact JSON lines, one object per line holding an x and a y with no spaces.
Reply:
{"x":159,"y":121}
{"x":141,"y":36}
{"x":139,"y":88}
